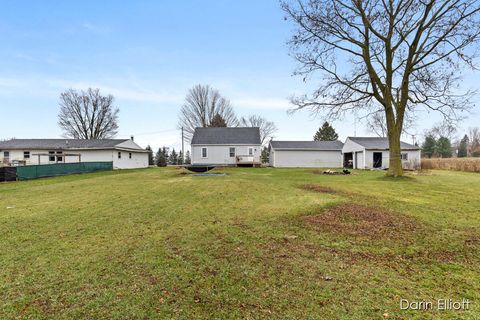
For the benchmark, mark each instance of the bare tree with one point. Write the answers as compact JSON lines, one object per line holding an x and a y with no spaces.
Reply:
{"x":267,"y":128}
{"x":443,"y":129}
{"x":474,"y":139}
{"x":202,"y":104}
{"x":396,"y":54}
{"x":377,"y":124}
{"x":87,"y":115}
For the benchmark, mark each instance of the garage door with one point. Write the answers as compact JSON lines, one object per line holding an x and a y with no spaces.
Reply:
{"x":308,"y":159}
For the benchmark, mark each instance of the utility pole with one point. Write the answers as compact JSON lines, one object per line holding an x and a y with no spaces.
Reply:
{"x":183,"y":149}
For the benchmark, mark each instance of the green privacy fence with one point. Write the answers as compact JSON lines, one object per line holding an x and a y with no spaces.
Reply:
{"x":60,"y":169}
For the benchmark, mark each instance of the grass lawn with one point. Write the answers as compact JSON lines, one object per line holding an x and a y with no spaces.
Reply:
{"x":257,"y":243}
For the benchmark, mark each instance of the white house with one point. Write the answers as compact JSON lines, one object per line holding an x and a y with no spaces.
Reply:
{"x":321,"y":154}
{"x":124,"y":153}
{"x":373,"y":152}
{"x":236,"y":146}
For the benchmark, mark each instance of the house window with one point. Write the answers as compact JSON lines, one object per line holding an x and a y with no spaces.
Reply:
{"x":204,"y":152}
{"x":26,"y":154}
{"x":232,"y":152}
{"x":129,"y":155}
{"x":6,"y":155}
{"x":404,"y":156}
{"x":250,"y":151}
{"x":51,"y":156}
{"x":59,"y":156}
{"x":119,"y":155}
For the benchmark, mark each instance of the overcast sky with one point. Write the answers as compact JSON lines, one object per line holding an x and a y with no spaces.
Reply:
{"x":148,"y":54}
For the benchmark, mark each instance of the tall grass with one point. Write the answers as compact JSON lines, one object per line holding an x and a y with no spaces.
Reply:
{"x":457,"y":164}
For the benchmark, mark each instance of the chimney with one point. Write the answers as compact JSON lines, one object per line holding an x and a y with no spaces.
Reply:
{"x":131,"y":138}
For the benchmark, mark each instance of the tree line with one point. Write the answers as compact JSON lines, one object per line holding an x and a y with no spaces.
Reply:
{"x":164,"y":157}
{"x":438,"y":143}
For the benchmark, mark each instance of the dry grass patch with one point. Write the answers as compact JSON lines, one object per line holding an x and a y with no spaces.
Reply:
{"x":457,"y":164}
{"x":319,"y":188}
{"x":356,"y":220}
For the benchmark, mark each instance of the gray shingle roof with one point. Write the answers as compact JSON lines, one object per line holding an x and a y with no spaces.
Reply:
{"x":44,"y":144}
{"x":307,"y":145}
{"x":236,"y":135}
{"x":378,"y":143}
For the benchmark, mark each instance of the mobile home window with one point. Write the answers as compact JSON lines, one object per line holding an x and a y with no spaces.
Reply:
{"x":119,"y":155}
{"x":6,"y":155}
{"x":26,"y":154}
{"x":404,"y":156}
{"x":204,"y":152}
{"x":59,"y":156}
{"x":250,"y":151}
{"x":51,"y":156}
{"x":232,"y":152}
{"x":130,"y":155}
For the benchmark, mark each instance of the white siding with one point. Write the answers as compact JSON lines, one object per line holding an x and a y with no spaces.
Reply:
{"x":413,"y":161}
{"x":306,"y":158}
{"x":220,"y":154}
{"x":138,"y":160}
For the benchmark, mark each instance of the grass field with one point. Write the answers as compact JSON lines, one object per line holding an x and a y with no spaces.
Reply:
{"x":256,"y":243}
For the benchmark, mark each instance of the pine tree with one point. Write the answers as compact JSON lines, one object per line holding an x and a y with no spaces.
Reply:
{"x":173,"y":158}
{"x":180,"y":158}
{"x":444,"y":147}
{"x":325,"y":133}
{"x":151,"y":161}
{"x":265,"y":155}
{"x":187,"y":157}
{"x":429,"y":146}
{"x":218,"y":121}
{"x":463,"y":147}
{"x":161,"y":157}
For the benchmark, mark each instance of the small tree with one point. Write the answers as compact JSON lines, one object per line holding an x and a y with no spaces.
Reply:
{"x":180,"y":158}
{"x":187,"y":157}
{"x":173,"y":158}
{"x":429,"y":146}
{"x":218,"y":121}
{"x":265,"y":155}
{"x":444,"y":147}
{"x":161,"y":157}
{"x":151,"y":161}
{"x":463,"y":147}
{"x":325,"y":133}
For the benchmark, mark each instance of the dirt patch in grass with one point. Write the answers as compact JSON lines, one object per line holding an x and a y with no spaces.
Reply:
{"x":361,"y":221}
{"x":319,"y":188}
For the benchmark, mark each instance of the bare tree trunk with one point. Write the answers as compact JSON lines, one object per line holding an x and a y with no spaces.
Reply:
{"x":394,"y":132}
{"x":395,"y":164}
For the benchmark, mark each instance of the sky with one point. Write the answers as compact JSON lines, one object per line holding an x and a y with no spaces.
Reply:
{"x":148,"y":54}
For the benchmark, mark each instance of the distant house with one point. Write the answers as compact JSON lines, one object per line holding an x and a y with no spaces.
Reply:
{"x":235,"y":146}
{"x":124,"y":153}
{"x":326,"y":154}
{"x":373,"y":152}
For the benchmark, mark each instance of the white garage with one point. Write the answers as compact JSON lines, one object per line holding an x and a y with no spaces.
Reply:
{"x":306,"y":154}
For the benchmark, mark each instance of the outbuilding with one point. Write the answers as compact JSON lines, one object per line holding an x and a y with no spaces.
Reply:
{"x":373,"y":153}
{"x":321,"y":154}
